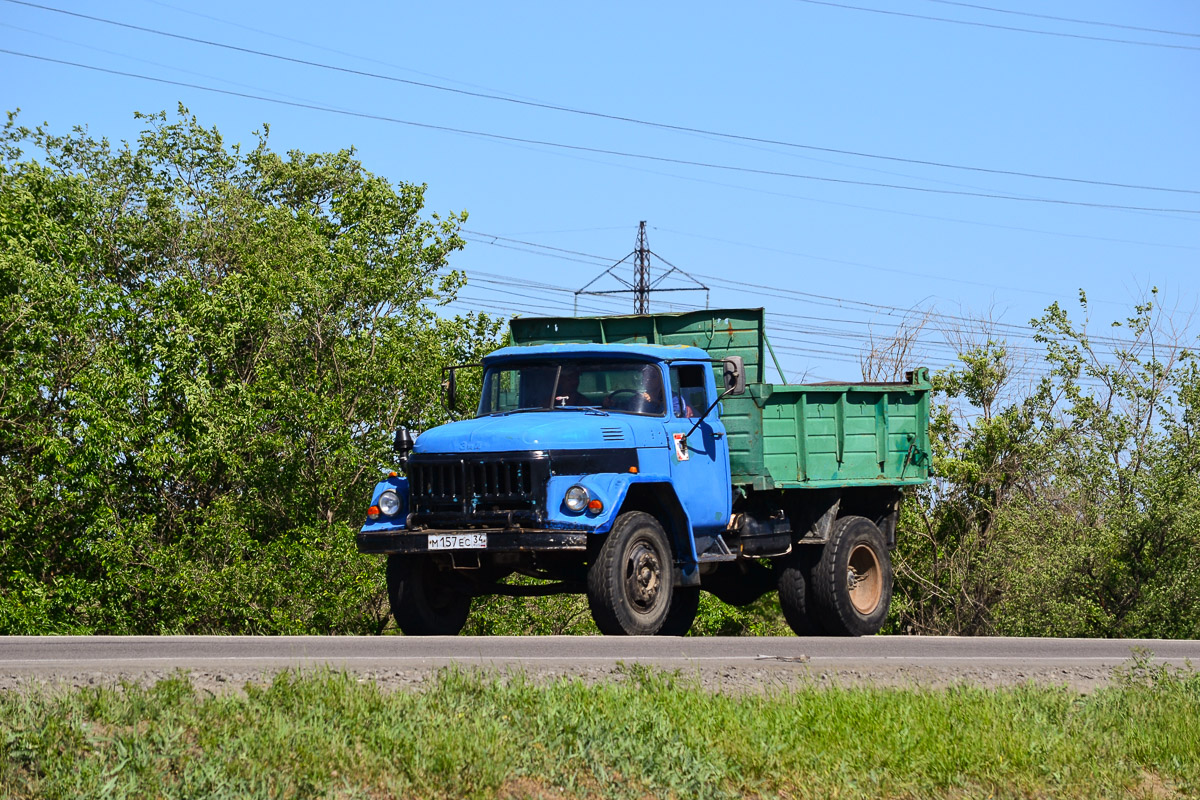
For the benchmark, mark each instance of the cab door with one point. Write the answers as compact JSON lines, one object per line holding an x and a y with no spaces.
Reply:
{"x":699,"y":461}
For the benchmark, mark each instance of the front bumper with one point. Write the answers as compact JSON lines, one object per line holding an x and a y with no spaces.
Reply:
{"x":499,"y":540}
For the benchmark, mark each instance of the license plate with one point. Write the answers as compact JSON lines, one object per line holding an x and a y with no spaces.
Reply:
{"x":458,"y":541}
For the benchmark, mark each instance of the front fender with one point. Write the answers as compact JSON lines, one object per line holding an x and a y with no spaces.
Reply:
{"x":612,"y":489}
{"x":399,"y":485}
{"x":609,"y":488}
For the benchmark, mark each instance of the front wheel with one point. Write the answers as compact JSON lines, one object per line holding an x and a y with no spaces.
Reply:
{"x":852,"y":579}
{"x":426,"y":601}
{"x":685,"y":603}
{"x":631,"y":580}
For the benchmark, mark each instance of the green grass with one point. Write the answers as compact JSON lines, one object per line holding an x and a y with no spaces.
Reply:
{"x":329,"y":735}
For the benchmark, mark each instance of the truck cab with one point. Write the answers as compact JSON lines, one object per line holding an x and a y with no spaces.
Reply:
{"x":565,"y":439}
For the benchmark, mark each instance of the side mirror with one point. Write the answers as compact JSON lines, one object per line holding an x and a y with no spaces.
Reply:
{"x":404,"y":441}
{"x":735,"y":374}
{"x":450,"y":389}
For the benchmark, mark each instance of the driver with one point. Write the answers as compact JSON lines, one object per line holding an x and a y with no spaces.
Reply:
{"x":567,"y":393}
{"x":644,"y":398}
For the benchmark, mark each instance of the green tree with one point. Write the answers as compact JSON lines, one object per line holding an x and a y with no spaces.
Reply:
{"x":1069,"y":509}
{"x":1109,"y":545}
{"x":203,"y":352}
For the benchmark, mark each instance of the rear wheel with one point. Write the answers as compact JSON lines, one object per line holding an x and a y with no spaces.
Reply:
{"x":852,"y":580}
{"x":426,"y":601}
{"x":796,"y":590}
{"x":630,"y":582}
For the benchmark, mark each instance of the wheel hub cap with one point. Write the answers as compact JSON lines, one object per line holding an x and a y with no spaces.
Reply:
{"x":643,"y":576}
{"x":864,"y":579}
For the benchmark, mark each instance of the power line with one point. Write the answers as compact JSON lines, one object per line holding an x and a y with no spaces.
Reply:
{"x":893,"y":270}
{"x":145,"y":61}
{"x":495,"y":240}
{"x":925,"y":349}
{"x":1064,"y":19}
{"x":275,"y":35}
{"x":601,"y":115}
{"x":996,"y":27}
{"x":494,"y":236}
{"x":603,"y":151}
{"x":895,"y":211}
{"x":776,"y":323}
{"x":1003,"y":328}
{"x":1020,"y":331}
{"x":1023,"y":331}
{"x":789,"y":346}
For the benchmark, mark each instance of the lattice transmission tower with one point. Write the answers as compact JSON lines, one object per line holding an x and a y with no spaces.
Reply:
{"x":644,"y":281}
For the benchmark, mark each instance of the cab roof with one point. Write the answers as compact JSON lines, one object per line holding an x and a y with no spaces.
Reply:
{"x":642,"y":352}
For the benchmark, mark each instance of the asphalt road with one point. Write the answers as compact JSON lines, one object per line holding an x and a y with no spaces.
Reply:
{"x":717,"y":662}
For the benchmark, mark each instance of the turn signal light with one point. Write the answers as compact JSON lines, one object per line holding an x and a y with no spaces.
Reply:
{"x":373,"y":512}
{"x":633,"y":470}
{"x":595,"y":507}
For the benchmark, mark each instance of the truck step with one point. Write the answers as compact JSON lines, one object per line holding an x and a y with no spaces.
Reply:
{"x":718,"y":551}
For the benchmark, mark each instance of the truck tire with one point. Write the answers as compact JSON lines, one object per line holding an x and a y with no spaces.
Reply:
{"x":685,"y":602}
{"x":631,"y":580}
{"x":425,"y":601}
{"x":852,"y":580}
{"x":796,"y":591}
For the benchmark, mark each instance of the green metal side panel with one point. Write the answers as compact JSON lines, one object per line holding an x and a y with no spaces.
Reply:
{"x":780,"y":436}
{"x":860,"y":434}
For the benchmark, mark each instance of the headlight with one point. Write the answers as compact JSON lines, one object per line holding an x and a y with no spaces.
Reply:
{"x":576,"y":498}
{"x":389,"y":503}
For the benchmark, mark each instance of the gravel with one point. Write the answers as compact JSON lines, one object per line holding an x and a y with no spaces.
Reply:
{"x":769,"y":675}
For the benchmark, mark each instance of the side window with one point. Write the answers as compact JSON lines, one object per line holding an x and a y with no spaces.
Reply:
{"x":688,"y":398}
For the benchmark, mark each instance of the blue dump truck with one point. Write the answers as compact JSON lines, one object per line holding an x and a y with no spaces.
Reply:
{"x":641,"y":459}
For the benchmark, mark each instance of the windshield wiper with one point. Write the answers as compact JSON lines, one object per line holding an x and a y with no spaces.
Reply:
{"x":593,"y":409}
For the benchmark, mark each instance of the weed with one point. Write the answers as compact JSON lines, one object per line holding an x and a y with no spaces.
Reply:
{"x":647,"y":734}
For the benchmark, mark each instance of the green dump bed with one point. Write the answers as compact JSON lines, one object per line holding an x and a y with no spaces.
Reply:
{"x":780,"y":435}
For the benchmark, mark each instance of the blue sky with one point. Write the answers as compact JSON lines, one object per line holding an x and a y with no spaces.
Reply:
{"x":848,"y":95}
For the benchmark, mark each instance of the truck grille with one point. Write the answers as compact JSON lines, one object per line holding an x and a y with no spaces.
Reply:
{"x":490,"y":488}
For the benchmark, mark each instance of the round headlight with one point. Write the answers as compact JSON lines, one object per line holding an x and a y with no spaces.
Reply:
{"x":389,"y":503}
{"x":576,"y":498}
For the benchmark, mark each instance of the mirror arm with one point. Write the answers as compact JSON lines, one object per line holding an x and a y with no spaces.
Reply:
{"x":702,"y":417}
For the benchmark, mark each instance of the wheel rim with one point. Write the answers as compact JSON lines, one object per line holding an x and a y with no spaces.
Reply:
{"x":643,"y":576}
{"x":864,"y":578}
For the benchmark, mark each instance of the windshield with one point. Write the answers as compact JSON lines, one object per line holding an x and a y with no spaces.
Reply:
{"x":628,"y":387}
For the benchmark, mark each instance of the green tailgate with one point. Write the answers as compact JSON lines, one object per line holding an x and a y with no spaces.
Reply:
{"x":780,"y":436}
